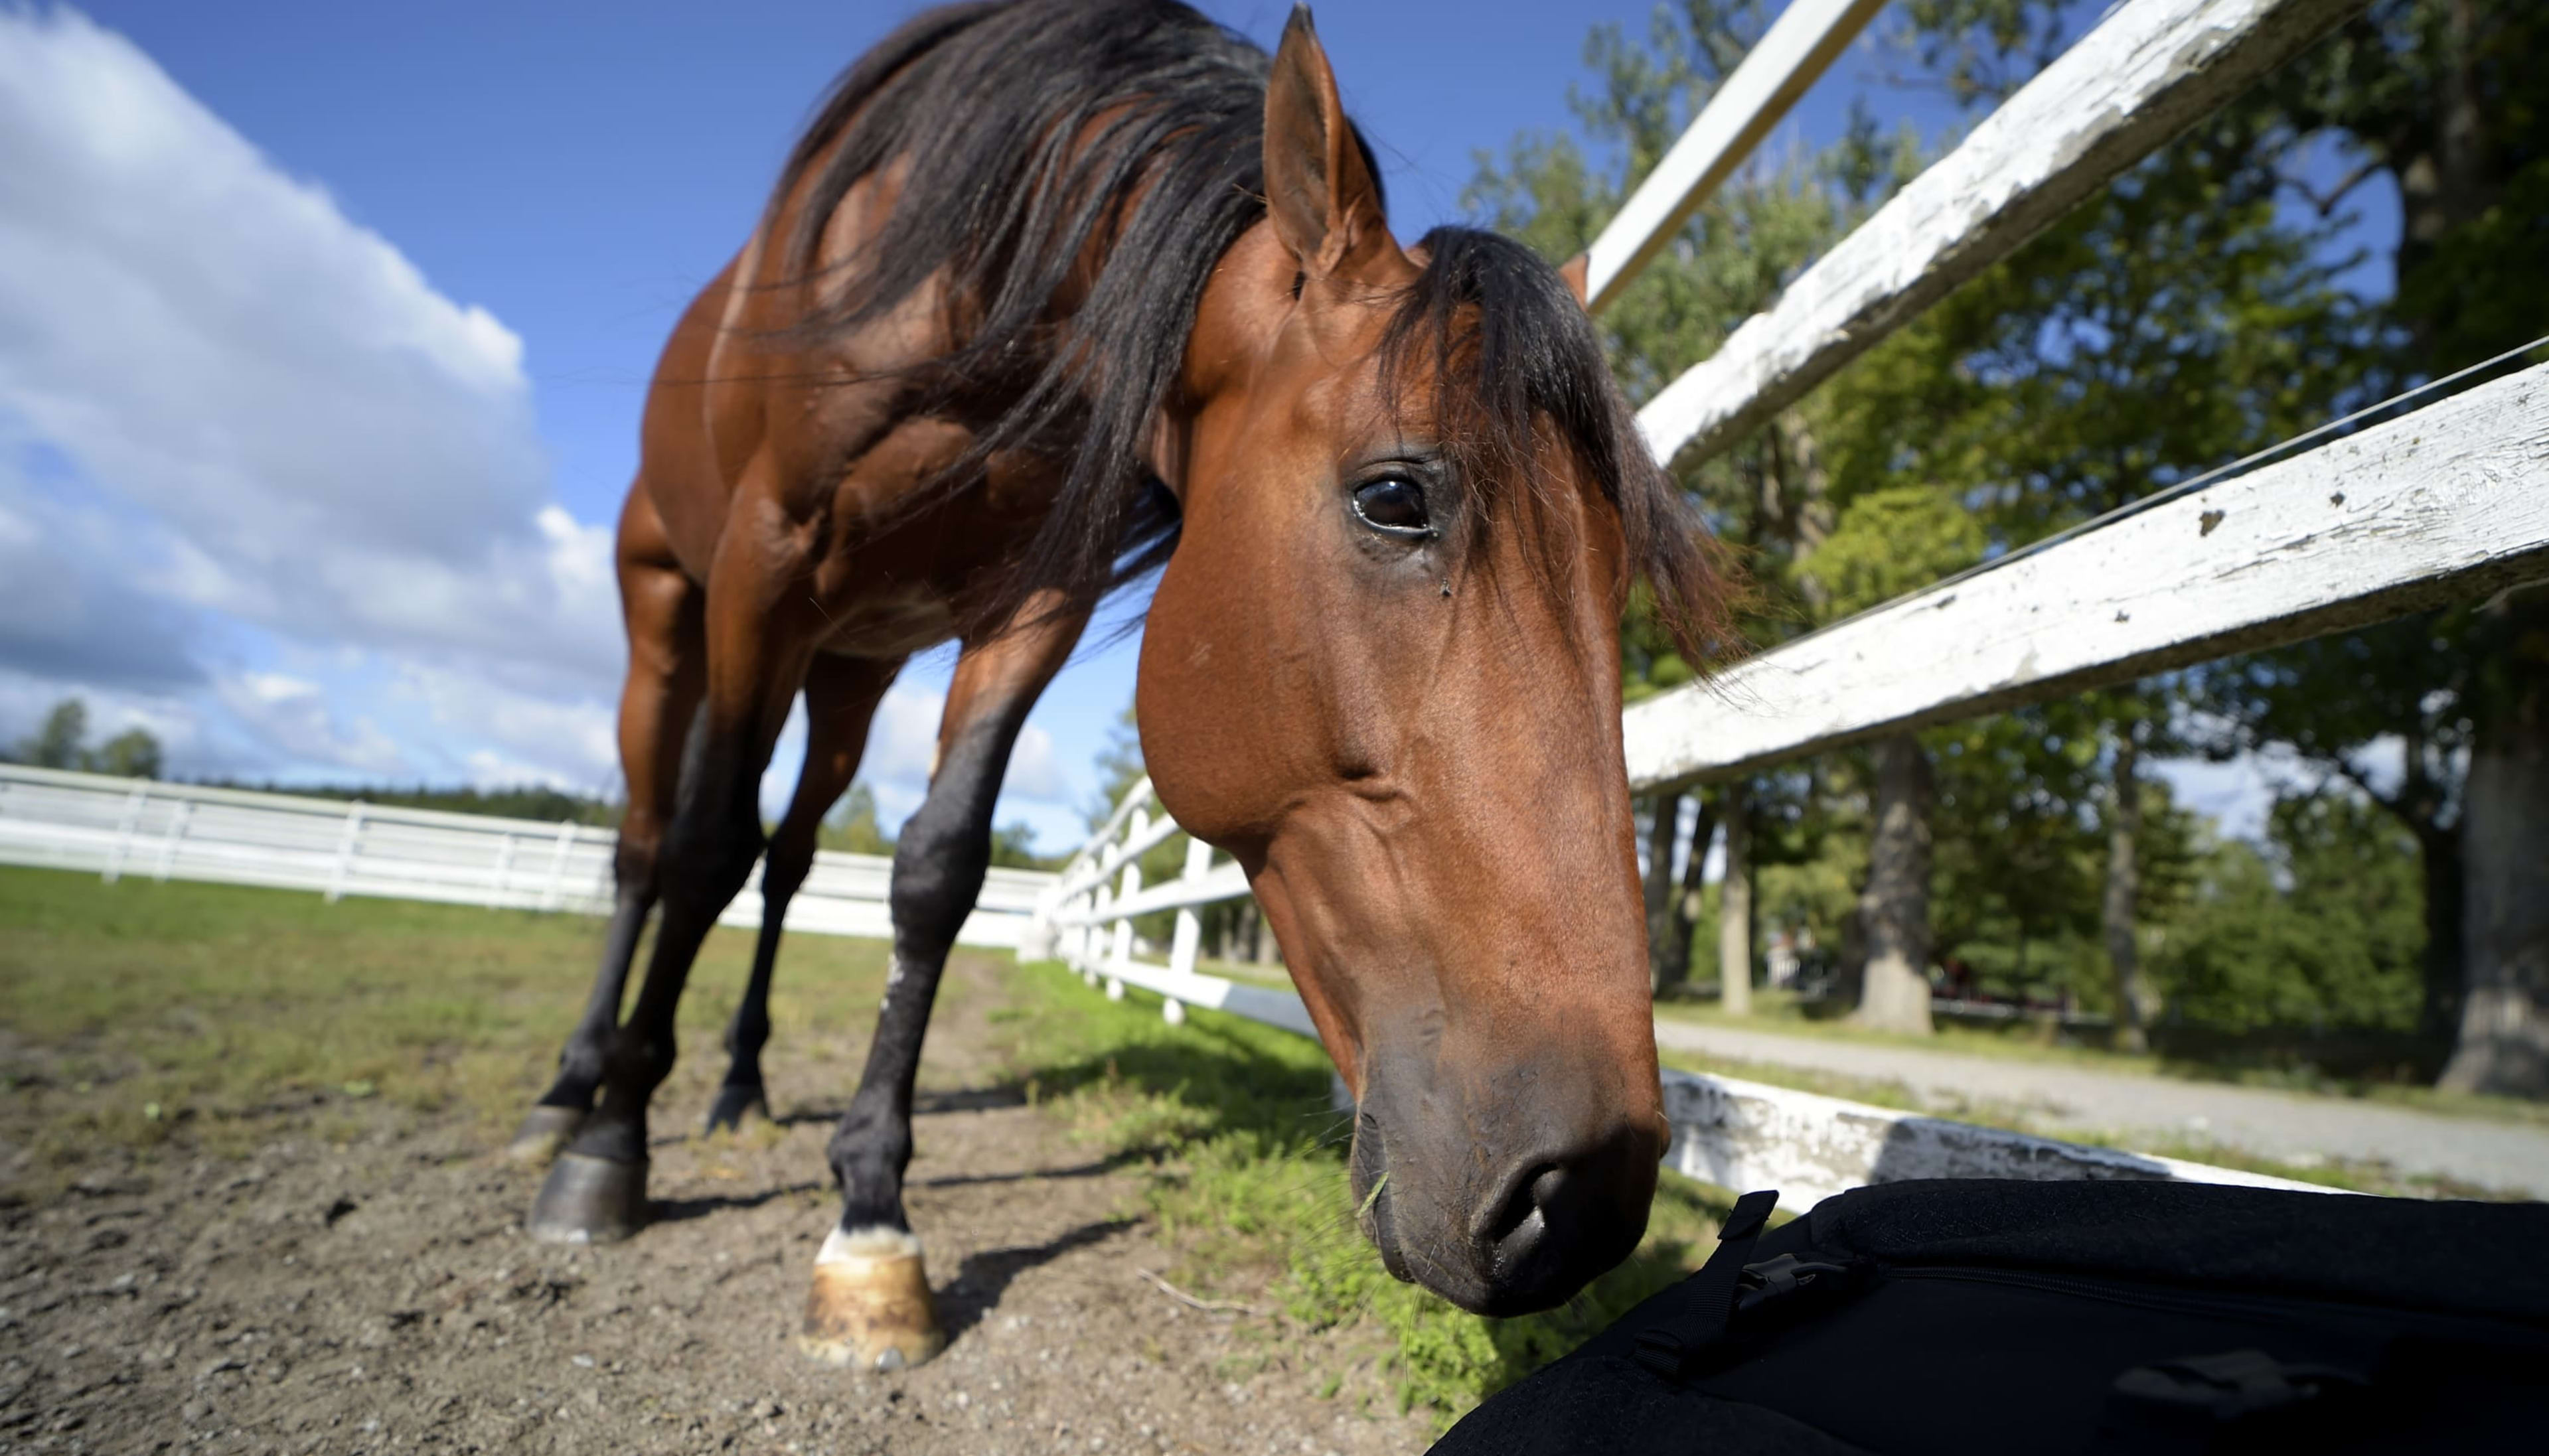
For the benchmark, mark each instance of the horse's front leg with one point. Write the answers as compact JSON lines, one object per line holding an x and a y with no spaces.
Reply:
{"x":870,"y":1306}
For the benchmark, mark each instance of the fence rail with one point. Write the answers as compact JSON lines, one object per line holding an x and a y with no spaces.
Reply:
{"x":118,"y":827}
{"x":1733,"y":1133}
{"x":2450,"y":502}
{"x":2145,"y":74}
{"x":1797,"y":49}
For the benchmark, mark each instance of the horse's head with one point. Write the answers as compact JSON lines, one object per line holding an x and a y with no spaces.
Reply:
{"x":1382,"y":670}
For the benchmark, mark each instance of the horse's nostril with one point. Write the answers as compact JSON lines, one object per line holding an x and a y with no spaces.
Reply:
{"x":1556,"y":1223}
{"x":1521,"y":1221}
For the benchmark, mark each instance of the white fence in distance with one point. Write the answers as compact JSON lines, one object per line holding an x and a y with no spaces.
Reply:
{"x":119,"y":827}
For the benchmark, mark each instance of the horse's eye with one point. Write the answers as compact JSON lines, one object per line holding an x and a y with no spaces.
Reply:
{"x":1395,"y":505}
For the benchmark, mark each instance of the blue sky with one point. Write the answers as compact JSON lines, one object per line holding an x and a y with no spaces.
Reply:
{"x":321,"y":369}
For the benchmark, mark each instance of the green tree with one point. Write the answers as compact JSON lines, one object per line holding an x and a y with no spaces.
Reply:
{"x":1013,"y":847}
{"x":2441,"y":98}
{"x":852,"y":827}
{"x":2320,"y":929}
{"x":132,"y":753}
{"x":63,"y":741}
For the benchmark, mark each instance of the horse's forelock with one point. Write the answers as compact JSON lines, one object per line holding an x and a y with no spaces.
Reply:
{"x":1513,"y":359}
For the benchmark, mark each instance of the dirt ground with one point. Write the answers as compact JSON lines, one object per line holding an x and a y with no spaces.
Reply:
{"x":367,"y":1289}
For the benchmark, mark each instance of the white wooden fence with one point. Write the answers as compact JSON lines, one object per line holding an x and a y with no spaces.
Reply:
{"x":2446,"y":503}
{"x":1737,"y":1134}
{"x":119,"y":827}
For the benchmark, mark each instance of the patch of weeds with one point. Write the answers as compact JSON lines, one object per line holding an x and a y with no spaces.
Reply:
{"x":1249,"y":1182}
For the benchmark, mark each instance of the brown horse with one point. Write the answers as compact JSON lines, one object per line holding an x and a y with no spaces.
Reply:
{"x":1049,"y":294}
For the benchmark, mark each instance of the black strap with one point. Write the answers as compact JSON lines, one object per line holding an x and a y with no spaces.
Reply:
{"x":1694,"y":1317}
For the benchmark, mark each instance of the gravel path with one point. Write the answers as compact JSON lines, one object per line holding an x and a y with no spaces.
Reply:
{"x":2509,"y":1157}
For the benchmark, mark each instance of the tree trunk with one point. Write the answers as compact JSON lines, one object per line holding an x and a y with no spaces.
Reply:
{"x":2503,"y":1044}
{"x":1735,"y":905}
{"x":2438,"y":849}
{"x":1894,"y":908}
{"x":2124,"y":891}
{"x":1660,"y":835}
{"x":1674,"y":956}
{"x":1801,"y":490}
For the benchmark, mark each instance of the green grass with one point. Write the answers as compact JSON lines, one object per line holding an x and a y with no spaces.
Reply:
{"x":2023,"y":1041}
{"x":1247,"y":1182}
{"x":135,"y":1009}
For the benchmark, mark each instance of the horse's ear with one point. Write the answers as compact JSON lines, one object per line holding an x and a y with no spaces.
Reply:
{"x":1321,"y":195}
{"x":1577,"y":272}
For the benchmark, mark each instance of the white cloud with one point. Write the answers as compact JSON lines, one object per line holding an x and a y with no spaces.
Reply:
{"x":238,"y":430}
{"x":293,"y":713}
{"x":488,"y":768}
{"x":567,"y":743}
{"x":903,"y":743}
{"x":1035,"y":770}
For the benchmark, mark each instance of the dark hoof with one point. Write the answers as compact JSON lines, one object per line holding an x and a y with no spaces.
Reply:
{"x":545,"y":1131}
{"x":588,"y":1200}
{"x":735,"y":1103}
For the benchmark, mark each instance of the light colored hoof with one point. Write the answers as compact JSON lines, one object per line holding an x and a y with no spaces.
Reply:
{"x":869,"y":1307}
{"x":588,"y":1200}
{"x":544,"y":1132}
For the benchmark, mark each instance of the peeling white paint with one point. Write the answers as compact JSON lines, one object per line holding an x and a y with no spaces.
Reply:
{"x":1745,"y":1136}
{"x":2445,"y":503}
{"x":2148,"y":71}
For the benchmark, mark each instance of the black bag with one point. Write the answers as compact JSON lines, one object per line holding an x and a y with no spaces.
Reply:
{"x":1978,"y":1316}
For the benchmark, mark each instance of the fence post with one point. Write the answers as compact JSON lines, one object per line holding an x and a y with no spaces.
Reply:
{"x":504,"y":872}
{"x":1189,"y":942}
{"x":1128,"y":888}
{"x":123,"y":831}
{"x":178,"y":820}
{"x":1098,"y":903}
{"x":555,"y":890}
{"x":1084,"y":944}
{"x":344,"y":869}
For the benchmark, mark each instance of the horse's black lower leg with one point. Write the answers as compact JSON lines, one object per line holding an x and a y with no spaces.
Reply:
{"x":841,"y":695}
{"x":742,"y":1093}
{"x":596,"y":1188}
{"x":561,"y":1110}
{"x":870,"y":1305}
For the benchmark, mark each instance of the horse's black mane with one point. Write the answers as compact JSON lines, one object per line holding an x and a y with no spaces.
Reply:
{"x":1029,"y":130}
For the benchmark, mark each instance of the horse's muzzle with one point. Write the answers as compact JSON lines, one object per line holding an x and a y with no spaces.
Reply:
{"x":1504,"y":1232}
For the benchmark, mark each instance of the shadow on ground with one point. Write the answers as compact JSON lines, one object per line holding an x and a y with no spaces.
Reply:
{"x":983,"y":1277}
